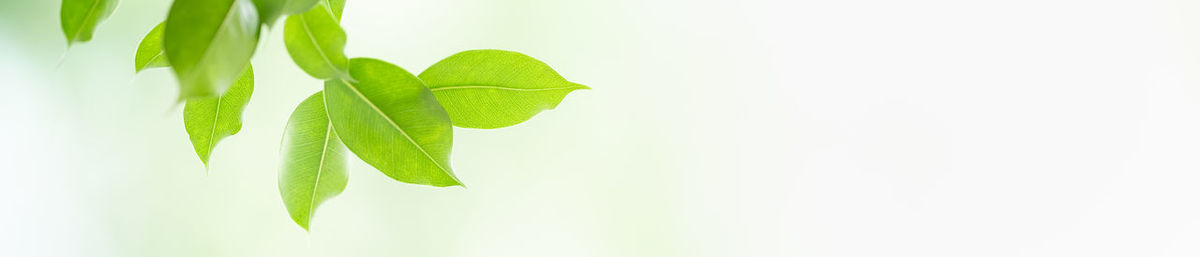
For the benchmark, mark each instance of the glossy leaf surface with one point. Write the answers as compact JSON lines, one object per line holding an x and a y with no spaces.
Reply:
{"x":209,"y":43}
{"x":150,"y":52}
{"x":79,"y":18}
{"x":314,"y":161}
{"x":210,"y":119}
{"x":494,"y":88}
{"x":316,"y":42}
{"x":390,"y":120}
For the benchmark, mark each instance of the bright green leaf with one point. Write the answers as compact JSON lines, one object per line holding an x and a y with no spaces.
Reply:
{"x":210,"y":119}
{"x":391,"y":121}
{"x":494,"y":88}
{"x":336,"y":6}
{"x":150,"y":52}
{"x":269,"y":10}
{"x":316,"y":42}
{"x":209,"y":43}
{"x":314,"y":161}
{"x":80,"y":17}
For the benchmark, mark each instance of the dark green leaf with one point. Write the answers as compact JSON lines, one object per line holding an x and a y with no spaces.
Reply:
{"x":209,"y":43}
{"x":391,"y":121}
{"x":210,"y":119}
{"x":80,"y":17}
{"x":494,"y":88}
{"x":314,"y":161}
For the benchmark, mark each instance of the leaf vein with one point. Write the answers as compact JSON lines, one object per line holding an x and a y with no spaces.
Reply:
{"x":151,"y":60}
{"x":308,"y":32}
{"x":213,"y":134}
{"x":204,"y":53}
{"x":402,"y":132}
{"x":320,"y":167}
{"x":85,"y":18}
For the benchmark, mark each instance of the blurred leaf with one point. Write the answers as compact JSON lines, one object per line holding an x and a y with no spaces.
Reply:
{"x":210,"y":119}
{"x":269,"y":10}
{"x":209,"y":43}
{"x":150,"y":52}
{"x":80,"y":17}
{"x":391,"y":121}
{"x":494,"y":88}
{"x":299,"y":6}
{"x":336,"y":6}
{"x":314,"y":161}
{"x":316,"y":42}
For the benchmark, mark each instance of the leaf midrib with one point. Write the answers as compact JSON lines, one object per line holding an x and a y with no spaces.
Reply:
{"x":312,"y":200}
{"x":213,"y":134}
{"x":402,"y":132}
{"x":204,"y":54}
{"x":329,"y":8}
{"x":85,"y":18}
{"x":308,"y":32}
{"x":151,"y":60}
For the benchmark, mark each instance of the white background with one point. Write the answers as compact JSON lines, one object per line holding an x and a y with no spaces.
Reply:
{"x":716,"y":128}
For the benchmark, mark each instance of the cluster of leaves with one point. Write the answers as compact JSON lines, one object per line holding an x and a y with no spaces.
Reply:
{"x":397,"y":122}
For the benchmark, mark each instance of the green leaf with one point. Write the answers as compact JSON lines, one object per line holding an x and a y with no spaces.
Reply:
{"x":314,"y":161}
{"x":391,"y":121}
{"x":316,"y":42}
{"x":80,"y":17}
{"x":210,"y":119}
{"x":493,"y":88}
{"x":299,"y":6}
{"x":269,"y":10}
{"x":150,"y":52}
{"x":209,"y":43}
{"x":336,"y":6}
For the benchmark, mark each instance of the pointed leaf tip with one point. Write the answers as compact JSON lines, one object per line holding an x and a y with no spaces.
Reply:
{"x":79,"y":18}
{"x":210,"y":119}
{"x":150,"y":52}
{"x":390,"y":120}
{"x":489,"y":89}
{"x":314,"y":164}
